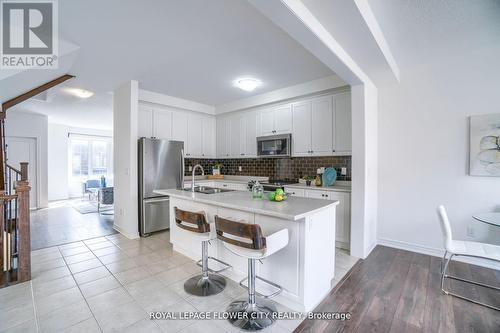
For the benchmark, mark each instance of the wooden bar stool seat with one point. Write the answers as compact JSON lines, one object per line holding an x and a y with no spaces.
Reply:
{"x":196,"y":224}
{"x":247,"y":241}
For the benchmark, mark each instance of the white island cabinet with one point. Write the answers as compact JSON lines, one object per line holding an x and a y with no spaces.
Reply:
{"x":304,"y":268}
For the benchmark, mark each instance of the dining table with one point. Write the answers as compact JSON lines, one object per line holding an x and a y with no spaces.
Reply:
{"x":492,"y":218}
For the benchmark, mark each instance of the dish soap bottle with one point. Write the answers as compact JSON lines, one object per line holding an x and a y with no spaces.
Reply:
{"x":317,"y":180}
{"x":257,"y":190}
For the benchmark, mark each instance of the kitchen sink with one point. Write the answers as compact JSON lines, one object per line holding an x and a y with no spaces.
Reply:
{"x":207,"y":189}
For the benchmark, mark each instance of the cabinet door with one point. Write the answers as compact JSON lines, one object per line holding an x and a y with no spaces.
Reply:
{"x":221,"y":137}
{"x":144,"y":122}
{"x":342,"y":123}
{"x":316,"y":194}
{"x":180,"y":128}
{"x":283,"y":119}
{"x":251,"y":134}
{"x":242,"y":131}
{"x":301,"y":136}
{"x":208,"y":141}
{"x":295,"y":192}
{"x":195,"y":137}
{"x":267,"y":122}
{"x":322,"y":130}
{"x":162,"y":120}
{"x":234,"y":136}
{"x":343,"y":218}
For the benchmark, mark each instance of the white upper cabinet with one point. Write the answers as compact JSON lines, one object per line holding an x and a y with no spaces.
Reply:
{"x":195,"y":136}
{"x":283,"y":119}
{"x":145,"y":122}
{"x":223,"y":137}
{"x":276,"y":120}
{"x":208,"y":142}
{"x":250,"y":138}
{"x":342,"y":143}
{"x":234,"y":137}
{"x":180,"y":128}
{"x":162,"y":124}
{"x":322,"y":129}
{"x":302,"y":127}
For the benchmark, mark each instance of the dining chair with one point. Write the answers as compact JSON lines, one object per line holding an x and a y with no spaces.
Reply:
{"x":456,"y":248}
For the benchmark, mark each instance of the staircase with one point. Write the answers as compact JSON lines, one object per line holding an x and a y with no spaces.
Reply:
{"x":15,"y":247}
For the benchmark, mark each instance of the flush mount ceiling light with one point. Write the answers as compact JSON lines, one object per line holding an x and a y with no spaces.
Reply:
{"x":247,"y":83}
{"x":81,"y":93}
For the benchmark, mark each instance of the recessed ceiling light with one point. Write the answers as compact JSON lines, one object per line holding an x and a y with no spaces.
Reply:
{"x":247,"y":83}
{"x":81,"y":93}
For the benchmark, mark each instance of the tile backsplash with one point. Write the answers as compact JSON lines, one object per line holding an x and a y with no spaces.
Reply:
{"x":279,"y":168}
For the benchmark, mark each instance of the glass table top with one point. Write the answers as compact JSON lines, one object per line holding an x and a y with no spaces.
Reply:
{"x":490,"y":218}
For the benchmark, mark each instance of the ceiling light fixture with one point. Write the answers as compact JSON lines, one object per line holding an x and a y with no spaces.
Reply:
{"x":247,"y":84}
{"x":81,"y":93}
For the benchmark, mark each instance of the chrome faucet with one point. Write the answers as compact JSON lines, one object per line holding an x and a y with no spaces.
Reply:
{"x":202,"y":173}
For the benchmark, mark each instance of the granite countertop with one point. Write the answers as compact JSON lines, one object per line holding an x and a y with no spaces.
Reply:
{"x":336,"y":188}
{"x":294,"y":208}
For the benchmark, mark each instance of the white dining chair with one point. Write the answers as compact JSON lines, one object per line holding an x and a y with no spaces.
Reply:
{"x":456,"y":248}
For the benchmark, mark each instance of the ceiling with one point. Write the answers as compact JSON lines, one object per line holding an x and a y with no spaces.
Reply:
{"x":191,"y":49}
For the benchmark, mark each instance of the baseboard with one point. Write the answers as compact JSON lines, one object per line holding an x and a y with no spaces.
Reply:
{"x":126,"y":234}
{"x":435,"y":252}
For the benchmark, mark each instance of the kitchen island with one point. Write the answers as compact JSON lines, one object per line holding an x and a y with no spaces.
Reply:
{"x":304,"y":268}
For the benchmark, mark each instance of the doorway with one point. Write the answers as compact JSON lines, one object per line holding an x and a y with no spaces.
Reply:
{"x":23,"y":149}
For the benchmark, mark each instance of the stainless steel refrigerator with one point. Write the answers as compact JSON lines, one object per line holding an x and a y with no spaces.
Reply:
{"x":161,"y":166}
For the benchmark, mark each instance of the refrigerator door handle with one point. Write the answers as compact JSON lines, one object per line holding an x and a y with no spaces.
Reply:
{"x":183,"y":167}
{"x":156,"y":200}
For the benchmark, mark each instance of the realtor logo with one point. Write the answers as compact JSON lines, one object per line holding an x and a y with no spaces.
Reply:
{"x":29,"y":34}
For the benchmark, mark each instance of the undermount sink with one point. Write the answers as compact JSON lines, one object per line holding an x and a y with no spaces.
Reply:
{"x":207,"y":189}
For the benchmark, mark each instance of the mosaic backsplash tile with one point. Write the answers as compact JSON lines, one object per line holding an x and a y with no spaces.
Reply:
{"x":280,"y":168}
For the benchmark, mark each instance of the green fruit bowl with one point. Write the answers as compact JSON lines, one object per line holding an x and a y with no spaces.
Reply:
{"x":277,"y":196}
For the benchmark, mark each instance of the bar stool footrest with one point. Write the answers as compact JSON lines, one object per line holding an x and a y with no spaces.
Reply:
{"x":227,"y":266}
{"x":276,"y":293}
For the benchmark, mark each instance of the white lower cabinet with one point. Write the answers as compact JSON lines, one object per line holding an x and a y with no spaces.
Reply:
{"x":343,"y":212}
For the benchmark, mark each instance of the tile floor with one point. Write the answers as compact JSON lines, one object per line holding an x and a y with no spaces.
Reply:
{"x":111,"y":284}
{"x":61,"y":223}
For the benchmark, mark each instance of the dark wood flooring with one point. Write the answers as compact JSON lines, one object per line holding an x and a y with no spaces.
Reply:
{"x":64,"y":224}
{"x":399,"y":291}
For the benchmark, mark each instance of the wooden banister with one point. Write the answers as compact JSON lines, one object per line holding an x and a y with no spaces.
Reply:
{"x":24,"y":245}
{"x":24,"y":171}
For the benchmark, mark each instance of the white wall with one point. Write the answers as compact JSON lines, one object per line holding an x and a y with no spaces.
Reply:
{"x":58,"y":150}
{"x":125,"y":108}
{"x":32,"y":125}
{"x":423,"y":149}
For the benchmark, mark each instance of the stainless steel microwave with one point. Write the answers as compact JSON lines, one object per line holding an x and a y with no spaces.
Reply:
{"x":274,"y":145}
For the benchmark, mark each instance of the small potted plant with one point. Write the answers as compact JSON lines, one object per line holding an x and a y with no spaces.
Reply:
{"x":308,"y":180}
{"x":216,"y":168}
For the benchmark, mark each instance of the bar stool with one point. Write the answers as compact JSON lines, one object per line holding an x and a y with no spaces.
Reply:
{"x":205,"y":284}
{"x":247,"y":240}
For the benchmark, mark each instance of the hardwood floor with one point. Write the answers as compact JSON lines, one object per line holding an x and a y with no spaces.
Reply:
{"x":399,"y":291}
{"x":61,"y":224}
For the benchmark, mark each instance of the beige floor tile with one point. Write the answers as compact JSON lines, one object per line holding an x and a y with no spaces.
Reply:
{"x":106,"y":251}
{"x":15,"y":316}
{"x":15,"y":296}
{"x":26,"y":327}
{"x":70,"y":245}
{"x":99,"y":286}
{"x":47,"y":288}
{"x":113,"y":257}
{"x":100,"y":245}
{"x":95,"y":240}
{"x":74,"y":251}
{"x":84,"y":265}
{"x":132,"y":275}
{"x":160,"y":266}
{"x":109,"y":299}
{"x":51,"y":274}
{"x":47,"y":304}
{"x":143,"y":326}
{"x":87,"y":326}
{"x":64,"y":317}
{"x":41,"y":257}
{"x":168,"y":325}
{"x":117,"y":318}
{"x":122,"y":265}
{"x":179,"y":259}
{"x":217,"y":302}
{"x":91,"y":275}
{"x":156,"y":299}
{"x":79,"y":258}
{"x":40,"y":266}
{"x":173,"y":275}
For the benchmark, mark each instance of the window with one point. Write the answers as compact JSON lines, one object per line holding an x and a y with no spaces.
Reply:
{"x":90,"y":158}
